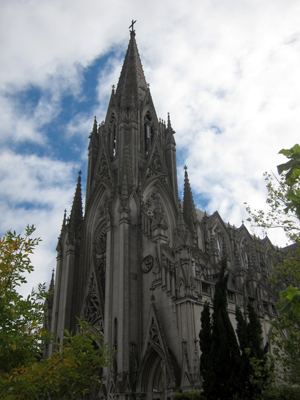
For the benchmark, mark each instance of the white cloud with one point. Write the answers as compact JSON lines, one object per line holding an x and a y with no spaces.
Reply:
{"x":36,"y":190}
{"x":227,"y":71}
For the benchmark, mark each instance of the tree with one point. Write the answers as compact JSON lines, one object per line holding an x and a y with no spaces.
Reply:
{"x":256,"y":370}
{"x":283,"y":197}
{"x":72,"y":369}
{"x":70,"y":372}
{"x":231,"y":370}
{"x":205,"y":336}
{"x":284,"y":201}
{"x":21,"y":320}
{"x":286,"y":347}
{"x":221,"y":355}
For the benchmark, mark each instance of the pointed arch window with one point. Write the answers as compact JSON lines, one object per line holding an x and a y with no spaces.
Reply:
{"x":219,"y":247}
{"x":112,"y":136}
{"x":244,"y":255}
{"x":148,"y":132}
{"x":100,"y":253}
{"x":115,"y":345}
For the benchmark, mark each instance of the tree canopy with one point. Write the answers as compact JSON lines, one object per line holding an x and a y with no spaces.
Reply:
{"x":73,"y":369}
{"x":284,"y":201}
{"x":230,"y":369}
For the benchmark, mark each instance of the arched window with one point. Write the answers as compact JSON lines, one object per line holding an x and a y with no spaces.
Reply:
{"x":148,"y":132}
{"x":244,"y":254}
{"x":113,"y":135}
{"x":100,"y":253}
{"x":219,"y":247}
{"x":115,"y":334}
{"x":218,"y":243}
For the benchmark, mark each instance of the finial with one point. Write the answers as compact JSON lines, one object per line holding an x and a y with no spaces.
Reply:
{"x":79,"y":172}
{"x":65,"y":217}
{"x":95,"y":125}
{"x":148,"y":85}
{"x":132,"y":26}
{"x":113,"y":87}
{"x":169,"y":121}
{"x":185,"y":168}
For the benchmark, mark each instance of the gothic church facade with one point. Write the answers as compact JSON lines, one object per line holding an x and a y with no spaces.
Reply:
{"x":140,"y":264}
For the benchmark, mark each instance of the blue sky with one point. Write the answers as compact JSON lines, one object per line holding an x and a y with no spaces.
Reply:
{"x":226,"y":70}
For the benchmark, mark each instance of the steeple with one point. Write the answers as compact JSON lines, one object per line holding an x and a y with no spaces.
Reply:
{"x":189,"y":212}
{"x":51,"y":286}
{"x":76,"y":211}
{"x":132,"y":86}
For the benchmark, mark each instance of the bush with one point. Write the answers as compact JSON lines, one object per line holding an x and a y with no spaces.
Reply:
{"x":196,"y":395}
{"x":282,"y":393}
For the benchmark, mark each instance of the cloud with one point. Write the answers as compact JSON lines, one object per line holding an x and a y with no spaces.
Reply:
{"x":35,"y":190}
{"x":228,"y":73}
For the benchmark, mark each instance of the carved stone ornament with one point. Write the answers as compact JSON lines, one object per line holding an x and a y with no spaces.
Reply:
{"x":153,"y":334}
{"x":92,"y":312}
{"x":101,"y":241}
{"x":147,"y":263}
{"x":155,"y":163}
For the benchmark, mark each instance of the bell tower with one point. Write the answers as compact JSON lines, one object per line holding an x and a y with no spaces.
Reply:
{"x":126,"y":266}
{"x":131,"y":131}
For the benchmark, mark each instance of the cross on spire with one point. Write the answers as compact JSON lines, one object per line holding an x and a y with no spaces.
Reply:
{"x":132,"y":25}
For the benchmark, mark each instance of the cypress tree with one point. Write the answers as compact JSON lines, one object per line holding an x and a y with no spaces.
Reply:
{"x":255,"y":334}
{"x":205,"y":337}
{"x":221,"y":364}
{"x":244,"y":370}
{"x":251,"y":347}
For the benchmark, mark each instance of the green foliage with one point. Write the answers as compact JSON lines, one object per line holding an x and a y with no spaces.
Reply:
{"x":72,"y":369}
{"x":286,"y":347}
{"x":255,"y":372}
{"x":291,"y":172}
{"x":279,"y":214}
{"x":231,"y":370}
{"x":219,"y":362}
{"x":284,"y":201}
{"x":291,"y":301}
{"x":196,"y":395}
{"x":282,"y":393}
{"x":205,"y":336}
{"x":21,"y":320}
{"x":260,"y":376}
{"x":283,"y":197}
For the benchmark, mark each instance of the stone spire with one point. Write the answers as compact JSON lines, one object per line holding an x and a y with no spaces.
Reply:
{"x":64,"y":220}
{"x":170,"y":132}
{"x":76,"y":211}
{"x":51,"y":286}
{"x":189,"y":212}
{"x":132,"y":86}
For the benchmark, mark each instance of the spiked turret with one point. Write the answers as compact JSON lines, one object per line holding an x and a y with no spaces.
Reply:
{"x":132,"y":86}
{"x":189,"y":212}
{"x":76,"y":211}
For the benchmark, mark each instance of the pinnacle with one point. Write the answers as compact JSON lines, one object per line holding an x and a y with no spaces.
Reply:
{"x":95,"y":125}
{"x":189,"y":212}
{"x":132,"y":86}
{"x":76,"y":211}
{"x":51,"y":286}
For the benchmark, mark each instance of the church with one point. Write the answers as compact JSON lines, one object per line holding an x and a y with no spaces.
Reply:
{"x":140,"y":263}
